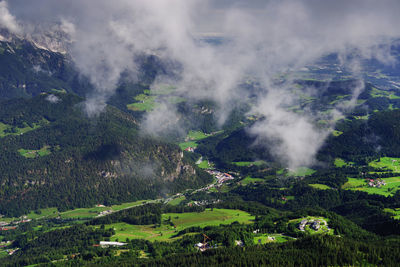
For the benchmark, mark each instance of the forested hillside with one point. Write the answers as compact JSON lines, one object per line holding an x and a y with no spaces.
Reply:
{"x":53,"y":155}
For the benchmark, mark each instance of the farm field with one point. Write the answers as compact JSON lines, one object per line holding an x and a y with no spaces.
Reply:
{"x":191,"y":138}
{"x":249,"y":180}
{"x":302,"y":171}
{"x":249,"y":163}
{"x":320,"y":186}
{"x":181,"y":221}
{"x":204,"y":164}
{"x":17,"y":131}
{"x":77,"y":213}
{"x":386,"y":163}
{"x":185,"y":145}
{"x":177,"y":200}
{"x":392,"y":185}
{"x":146,"y":103}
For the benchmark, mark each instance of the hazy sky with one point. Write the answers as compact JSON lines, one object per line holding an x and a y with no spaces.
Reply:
{"x":267,"y":38}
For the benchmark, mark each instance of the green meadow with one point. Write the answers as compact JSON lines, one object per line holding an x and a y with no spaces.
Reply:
{"x":165,"y":232}
{"x":270,"y":238}
{"x":249,"y":180}
{"x":145,"y":103}
{"x":320,"y":186}
{"x":248,"y":163}
{"x":386,"y":163}
{"x":6,"y":129}
{"x":392,"y":185}
{"x":191,"y":138}
{"x":204,"y":164}
{"x":35,"y":153}
{"x":302,"y":171}
{"x":342,"y":163}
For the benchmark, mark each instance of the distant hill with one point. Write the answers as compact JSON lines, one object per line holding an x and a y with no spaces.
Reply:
{"x":375,"y":136}
{"x":52,"y":155}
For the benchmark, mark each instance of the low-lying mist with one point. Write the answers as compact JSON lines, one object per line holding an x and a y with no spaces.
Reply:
{"x":263,"y":40}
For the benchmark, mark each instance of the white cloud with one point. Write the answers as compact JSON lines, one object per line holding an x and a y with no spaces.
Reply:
{"x":7,"y":20}
{"x":266,"y":38}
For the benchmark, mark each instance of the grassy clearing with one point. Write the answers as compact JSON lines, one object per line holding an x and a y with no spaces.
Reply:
{"x":181,"y":221}
{"x":177,"y":201}
{"x":375,"y":92}
{"x":35,"y":153}
{"x":196,"y":135}
{"x":146,"y":103}
{"x":337,"y":133}
{"x":248,"y":163}
{"x":395,"y":212}
{"x":249,"y":180}
{"x":342,"y":163}
{"x":392,"y":185}
{"x":269,"y":238}
{"x":204,"y":164}
{"x":386,"y":163}
{"x":320,"y":186}
{"x":302,"y":171}
{"x":191,"y":138}
{"x":81,"y":213}
{"x":6,"y":129}
{"x":185,"y":145}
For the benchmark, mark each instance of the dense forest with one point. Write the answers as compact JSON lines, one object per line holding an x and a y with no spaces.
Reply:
{"x":87,"y":161}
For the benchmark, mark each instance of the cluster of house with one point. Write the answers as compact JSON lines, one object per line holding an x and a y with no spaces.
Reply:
{"x":221,"y":176}
{"x":5,"y":226}
{"x":376,"y":183}
{"x":313,"y":224}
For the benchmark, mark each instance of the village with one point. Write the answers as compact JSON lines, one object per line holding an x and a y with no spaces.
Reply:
{"x":375,"y":183}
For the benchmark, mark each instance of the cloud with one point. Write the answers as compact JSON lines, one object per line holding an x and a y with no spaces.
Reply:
{"x":264,"y":39}
{"x":7,"y":20}
{"x":53,"y":99}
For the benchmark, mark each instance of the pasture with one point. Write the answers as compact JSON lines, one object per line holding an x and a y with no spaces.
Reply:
{"x":145,"y":103}
{"x":165,"y":232}
{"x":269,"y":238}
{"x":392,"y":185}
{"x":386,"y":163}
{"x":249,"y":163}
{"x":6,"y":129}
{"x":35,"y":153}
{"x":320,"y":186}
{"x":249,"y":180}
{"x":302,"y":171}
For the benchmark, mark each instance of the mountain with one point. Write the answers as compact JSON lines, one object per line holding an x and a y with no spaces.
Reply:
{"x":54,"y":156}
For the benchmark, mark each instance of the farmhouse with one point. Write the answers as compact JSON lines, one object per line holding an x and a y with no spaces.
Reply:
{"x":302,"y":224}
